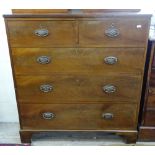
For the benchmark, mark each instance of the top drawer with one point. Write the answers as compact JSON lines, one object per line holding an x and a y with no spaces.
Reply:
{"x":114,"y":32}
{"x":41,"y":33}
{"x":103,"y":32}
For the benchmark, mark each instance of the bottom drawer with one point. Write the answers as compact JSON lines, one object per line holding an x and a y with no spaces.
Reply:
{"x":149,"y":117}
{"x":78,"y":116}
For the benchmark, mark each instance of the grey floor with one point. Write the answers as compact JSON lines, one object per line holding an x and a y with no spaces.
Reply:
{"x":9,"y":133}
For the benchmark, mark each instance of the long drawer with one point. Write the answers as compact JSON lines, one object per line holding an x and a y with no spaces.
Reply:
{"x":83,"y":60}
{"x":78,"y":116}
{"x":38,"y":33}
{"x":65,"y":88}
{"x":114,"y":32}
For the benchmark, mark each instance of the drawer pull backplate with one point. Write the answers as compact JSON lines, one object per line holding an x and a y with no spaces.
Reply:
{"x":46,"y":88}
{"x":48,"y":115}
{"x":41,"y":32}
{"x":111,"y":60}
{"x":43,"y":59}
{"x":112,"y":31}
{"x":107,"y":116}
{"x":109,"y":88}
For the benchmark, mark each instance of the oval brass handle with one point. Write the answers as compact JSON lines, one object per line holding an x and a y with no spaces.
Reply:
{"x":112,"y":31}
{"x":111,"y":60}
{"x":107,"y":116}
{"x":41,"y":32}
{"x":109,"y":89}
{"x":48,"y":115}
{"x":43,"y":59}
{"x":46,"y":88}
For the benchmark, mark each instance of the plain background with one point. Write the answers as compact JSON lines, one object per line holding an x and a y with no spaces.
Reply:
{"x":8,"y":107}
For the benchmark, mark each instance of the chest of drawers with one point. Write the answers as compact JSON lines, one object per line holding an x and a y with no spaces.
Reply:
{"x":147,"y":124}
{"x":78,"y":71}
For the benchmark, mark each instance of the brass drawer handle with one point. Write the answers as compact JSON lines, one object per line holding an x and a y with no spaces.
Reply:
{"x":41,"y":32}
{"x":112,"y":32}
{"x":43,"y":59}
{"x":107,"y":116}
{"x":111,"y":60}
{"x":48,"y":115}
{"x":109,"y":89}
{"x":46,"y":88}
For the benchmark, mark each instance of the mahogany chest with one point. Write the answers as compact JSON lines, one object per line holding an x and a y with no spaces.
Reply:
{"x":78,"y":71}
{"x":147,"y":124}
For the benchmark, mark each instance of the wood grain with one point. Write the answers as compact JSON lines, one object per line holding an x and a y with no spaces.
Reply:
{"x":92,"y":33}
{"x":78,"y":88}
{"x":149,"y":117}
{"x":147,"y":127}
{"x":151,"y":98}
{"x":60,"y":33}
{"x":146,"y":133}
{"x":39,"y":11}
{"x":79,"y":116}
{"x":152,"y":78}
{"x":77,"y":46}
{"x":78,"y":60}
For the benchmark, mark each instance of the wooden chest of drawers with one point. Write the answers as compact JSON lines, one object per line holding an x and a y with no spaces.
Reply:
{"x":78,"y":71}
{"x":147,"y":124}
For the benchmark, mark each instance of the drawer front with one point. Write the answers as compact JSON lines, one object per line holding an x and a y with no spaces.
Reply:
{"x":153,"y":62}
{"x":152,"y":78}
{"x":151,"y":98}
{"x":149,"y":119}
{"x":78,"y":116}
{"x":78,"y":88}
{"x":86,"y":60}
{"x":116,"y":32}
{"x":41,"y":33}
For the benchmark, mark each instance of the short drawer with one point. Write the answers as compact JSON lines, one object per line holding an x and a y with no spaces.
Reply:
{"x":114,"y":32}
{"x":41,"y":33}
{"x":152,"y":78}
{"x":151,"y":98}
{"x":78,"y":116}
{"x":153,"y":62}
{"x":62,"y":88}
{"x":149,"y":119}
{"x":81,"y":60}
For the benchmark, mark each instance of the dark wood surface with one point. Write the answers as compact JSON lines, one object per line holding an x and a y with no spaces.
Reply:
{"x":78,"y":60}
{"x":91,"y":33}
{"x":149,"y":119}
{"x":77,"y":45}
{"x":82,"y":33}
{"x":78,"y":88}
{"x":61,"y":33}
{"x":151,"y":98}
{"x":79,"y":116}
{"x":130,"y":136}
{"x":39,"y":11}
{"x":147,"y":124}
{"x":146,"y":133}
{"x":152,"y":78}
